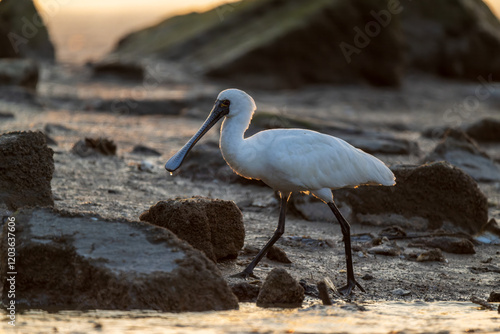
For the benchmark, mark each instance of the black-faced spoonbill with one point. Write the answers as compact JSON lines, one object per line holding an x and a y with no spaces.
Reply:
{"x":289,"y":160}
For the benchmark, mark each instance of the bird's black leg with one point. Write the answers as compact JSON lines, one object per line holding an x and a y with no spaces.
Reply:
{"x":248,"y":272}
{"x":346,"y":232}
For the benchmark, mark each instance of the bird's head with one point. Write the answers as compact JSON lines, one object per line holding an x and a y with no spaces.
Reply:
{"x":229,"y":103}
{"x":237,"y":102}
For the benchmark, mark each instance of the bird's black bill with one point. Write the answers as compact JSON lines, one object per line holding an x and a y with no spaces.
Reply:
{"x":219,"y":110}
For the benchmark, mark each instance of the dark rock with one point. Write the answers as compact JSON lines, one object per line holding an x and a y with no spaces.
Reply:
{"x":387,"y":248}
{"x":280,"y":290}
{"x":245,"y":292}
{"x":309,"y":289}
{"x":393,"y":231}
{"x":57,"y":128}
{"x":6,"y":115}
{"x":26,"y":168}
{"x":435,"y":132}
{"x":49,"y":140}
{"x":491,"y":227}
{"x":20,"y":95}
{"x":23,"y":33}
{"x":71,"y":261}
{"x":142,"y":106}
{"x":494,"y":297}
{"x":323,"y":293}
{"x":431,"y":255}
{"x":93,"y":146}
{"x":277,"y":254}
{"x":367,"y":277}
{"x":120,"y":68}
{"x":144,"y":150}
{"x":435,"y":195}
{"x":456,"y":38}
{"x":290,"y":30}
{"x":212,"y":226}
{"x":447,"y":244}
{"x":485,"y":269}
{"x":485,"y":130}
{"x":460,"y":150}
{"x":19,"y":72}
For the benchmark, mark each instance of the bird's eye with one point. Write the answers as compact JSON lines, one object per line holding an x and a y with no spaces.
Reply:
{"x":225,"y":103}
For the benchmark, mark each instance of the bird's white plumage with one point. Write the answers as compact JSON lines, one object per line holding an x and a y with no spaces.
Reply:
{"x":294,"y":159}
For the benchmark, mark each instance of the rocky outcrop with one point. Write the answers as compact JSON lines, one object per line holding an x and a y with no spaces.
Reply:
{"x":23,"y":33}
{"x":26,"y":168}
{"x":430,"y":196}
{"x":212,"y":226}
{"x":71,"y":261}
{"x":276,"y":43}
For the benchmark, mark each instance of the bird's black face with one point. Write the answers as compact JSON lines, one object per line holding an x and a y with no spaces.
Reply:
{"x":220,"y":109}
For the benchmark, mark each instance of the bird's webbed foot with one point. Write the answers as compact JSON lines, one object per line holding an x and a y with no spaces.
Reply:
{"x":244,"y":275}
{"x":347,"y":289}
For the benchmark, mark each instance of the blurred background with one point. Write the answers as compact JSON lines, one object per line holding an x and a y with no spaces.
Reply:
{"x":77,"y":27}
{"x":118,"y":86}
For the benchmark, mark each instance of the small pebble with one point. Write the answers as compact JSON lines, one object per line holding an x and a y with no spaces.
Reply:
{"x":400,"y":292}
{"x":146,"y":166}
{"x":278,"y":255}
{"x":494,"y":297}
{"x":431,"y":255}
{"x":367,"y":277}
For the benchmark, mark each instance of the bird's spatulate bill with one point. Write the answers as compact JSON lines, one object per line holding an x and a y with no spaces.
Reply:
{"x":177,"y":159}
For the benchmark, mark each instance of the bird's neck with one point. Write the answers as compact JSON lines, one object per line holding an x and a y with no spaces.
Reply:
{"x":232,"y":137}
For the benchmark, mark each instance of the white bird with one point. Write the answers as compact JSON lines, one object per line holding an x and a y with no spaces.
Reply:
{"x":289,"y":160}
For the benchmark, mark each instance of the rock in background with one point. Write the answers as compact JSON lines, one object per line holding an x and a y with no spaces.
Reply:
{"x":277,"y":44}
{"x":454,"y":38}
{"x":26,"y":169}
{"x":460,"y":150}
{"x":23,"y":33}
{"x":426,"y":197}
{"x":70,"y":261}
{"x":19,"y":72}
{"x":212,"y":226}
